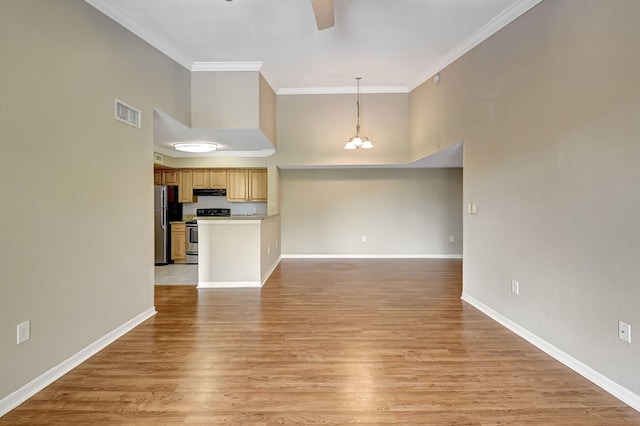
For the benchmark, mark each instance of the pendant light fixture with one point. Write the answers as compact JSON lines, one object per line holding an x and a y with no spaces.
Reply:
{"x":358,"y":141}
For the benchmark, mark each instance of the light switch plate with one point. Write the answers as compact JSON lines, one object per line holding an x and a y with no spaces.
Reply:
{"x":24,"y":332}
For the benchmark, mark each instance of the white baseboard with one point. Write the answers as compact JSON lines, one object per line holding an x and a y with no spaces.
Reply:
{"x":240,"y":284}
{"x":618,"y":391}
{"x":273,"y":268}
{"x":36,"y":385}
{"x":372,"y":256}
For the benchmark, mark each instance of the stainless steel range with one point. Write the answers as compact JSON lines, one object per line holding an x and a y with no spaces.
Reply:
{"x":192,"y":231}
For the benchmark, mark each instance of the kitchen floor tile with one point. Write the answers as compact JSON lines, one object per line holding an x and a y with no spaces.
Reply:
{"x":176,"y":274}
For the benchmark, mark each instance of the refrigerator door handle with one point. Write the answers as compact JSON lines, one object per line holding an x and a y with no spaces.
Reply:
{"x":163,"y":218}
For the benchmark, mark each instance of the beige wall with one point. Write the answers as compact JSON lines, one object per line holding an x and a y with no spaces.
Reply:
{"x":273,"y":187}
{"x":269,"y":246}
{"x":76,"y":241}
{"x":225,"y":100}
{"x":313,"y":129}
{"x":548,"y":109}
{"x":446,"y":105}
{"x":267,"y":105}
{"x":400,"y":211}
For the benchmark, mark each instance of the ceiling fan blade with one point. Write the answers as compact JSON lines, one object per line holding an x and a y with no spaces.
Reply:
{"x":323,"y":10}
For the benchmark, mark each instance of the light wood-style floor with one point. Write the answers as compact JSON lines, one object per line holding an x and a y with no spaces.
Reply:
{"x":326,"y":342}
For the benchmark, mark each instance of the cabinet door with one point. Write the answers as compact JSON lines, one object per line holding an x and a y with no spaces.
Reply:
{"x":237,"y":188}
{"x":200,"y":179}
{"x":185,"y":190}
{"x":178,"y":242}
{"x":157,"y":177}
{"x":217,"y":178}
{"x":170,"y":177}
{"x":258,"y":185}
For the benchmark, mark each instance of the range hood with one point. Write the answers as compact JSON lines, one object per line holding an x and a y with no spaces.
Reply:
{"x":210,"y":192}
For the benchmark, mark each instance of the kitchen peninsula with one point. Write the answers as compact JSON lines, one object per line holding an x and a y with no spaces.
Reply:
{"x":237,"y":251}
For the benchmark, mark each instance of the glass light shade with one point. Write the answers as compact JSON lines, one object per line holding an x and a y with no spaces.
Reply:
{"x":350,"y":145}
{"x":366,"y":144}
{"x":196,"y":147}
{"x":356,"y":143}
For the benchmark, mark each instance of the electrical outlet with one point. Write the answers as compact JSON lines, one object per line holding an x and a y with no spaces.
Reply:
{"x":364,"y":238}
{"x":451,"y":239}
{"x":515,"y":287}
{"x":24,"y":332}
{"x":624,"y":331}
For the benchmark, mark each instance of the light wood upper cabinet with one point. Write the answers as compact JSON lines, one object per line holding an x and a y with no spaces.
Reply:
{"x":185,"y":188}
{"x":242,"y":185}
{"x":165,"y":177}
{"x":258,"y":185}
{"x":209,"y":178}
{"x":237,"y":188}
{"x":178,"y":242}
{"x":217,"y":178}
{"x":200,"y":178}
{"x":170,"y":177}
{"x":247,"y":185}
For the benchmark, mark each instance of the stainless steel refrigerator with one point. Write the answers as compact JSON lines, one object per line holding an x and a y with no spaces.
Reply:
{"x":166,"y":209}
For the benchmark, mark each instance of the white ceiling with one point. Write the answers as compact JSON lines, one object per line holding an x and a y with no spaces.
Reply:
{"x":394,"y":45}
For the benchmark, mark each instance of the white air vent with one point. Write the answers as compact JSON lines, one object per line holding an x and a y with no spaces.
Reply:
{"x":158,"y":158}
{"x":127,"y":114}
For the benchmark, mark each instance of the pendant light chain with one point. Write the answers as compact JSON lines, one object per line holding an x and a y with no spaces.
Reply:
{"x":358,"y":105}
{"x":358,"y":141}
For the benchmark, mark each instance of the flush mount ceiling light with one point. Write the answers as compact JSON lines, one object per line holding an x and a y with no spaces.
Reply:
{"x":358,"y":141}
{"x":196,"y":147}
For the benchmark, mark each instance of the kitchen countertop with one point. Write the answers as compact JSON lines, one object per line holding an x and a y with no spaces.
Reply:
{"x":239,"y":217}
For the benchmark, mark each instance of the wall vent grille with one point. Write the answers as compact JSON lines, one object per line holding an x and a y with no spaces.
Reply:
{"x":158,"y":158}
{"x":127,"y":114}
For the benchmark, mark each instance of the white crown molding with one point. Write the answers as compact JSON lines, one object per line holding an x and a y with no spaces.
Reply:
{"x":496,"y":24}
{"x":500,"y":21}
{"x":615,"y":389}
{"x":36,"y":385}
{"x":226,"y":66}
{"x":115,"y":13}
{"x":340,"y":90}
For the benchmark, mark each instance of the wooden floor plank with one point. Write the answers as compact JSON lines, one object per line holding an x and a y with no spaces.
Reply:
{"x":324,"y":342}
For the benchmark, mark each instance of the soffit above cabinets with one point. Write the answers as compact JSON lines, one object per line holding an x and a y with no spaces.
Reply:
{"x":231,"y":142}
